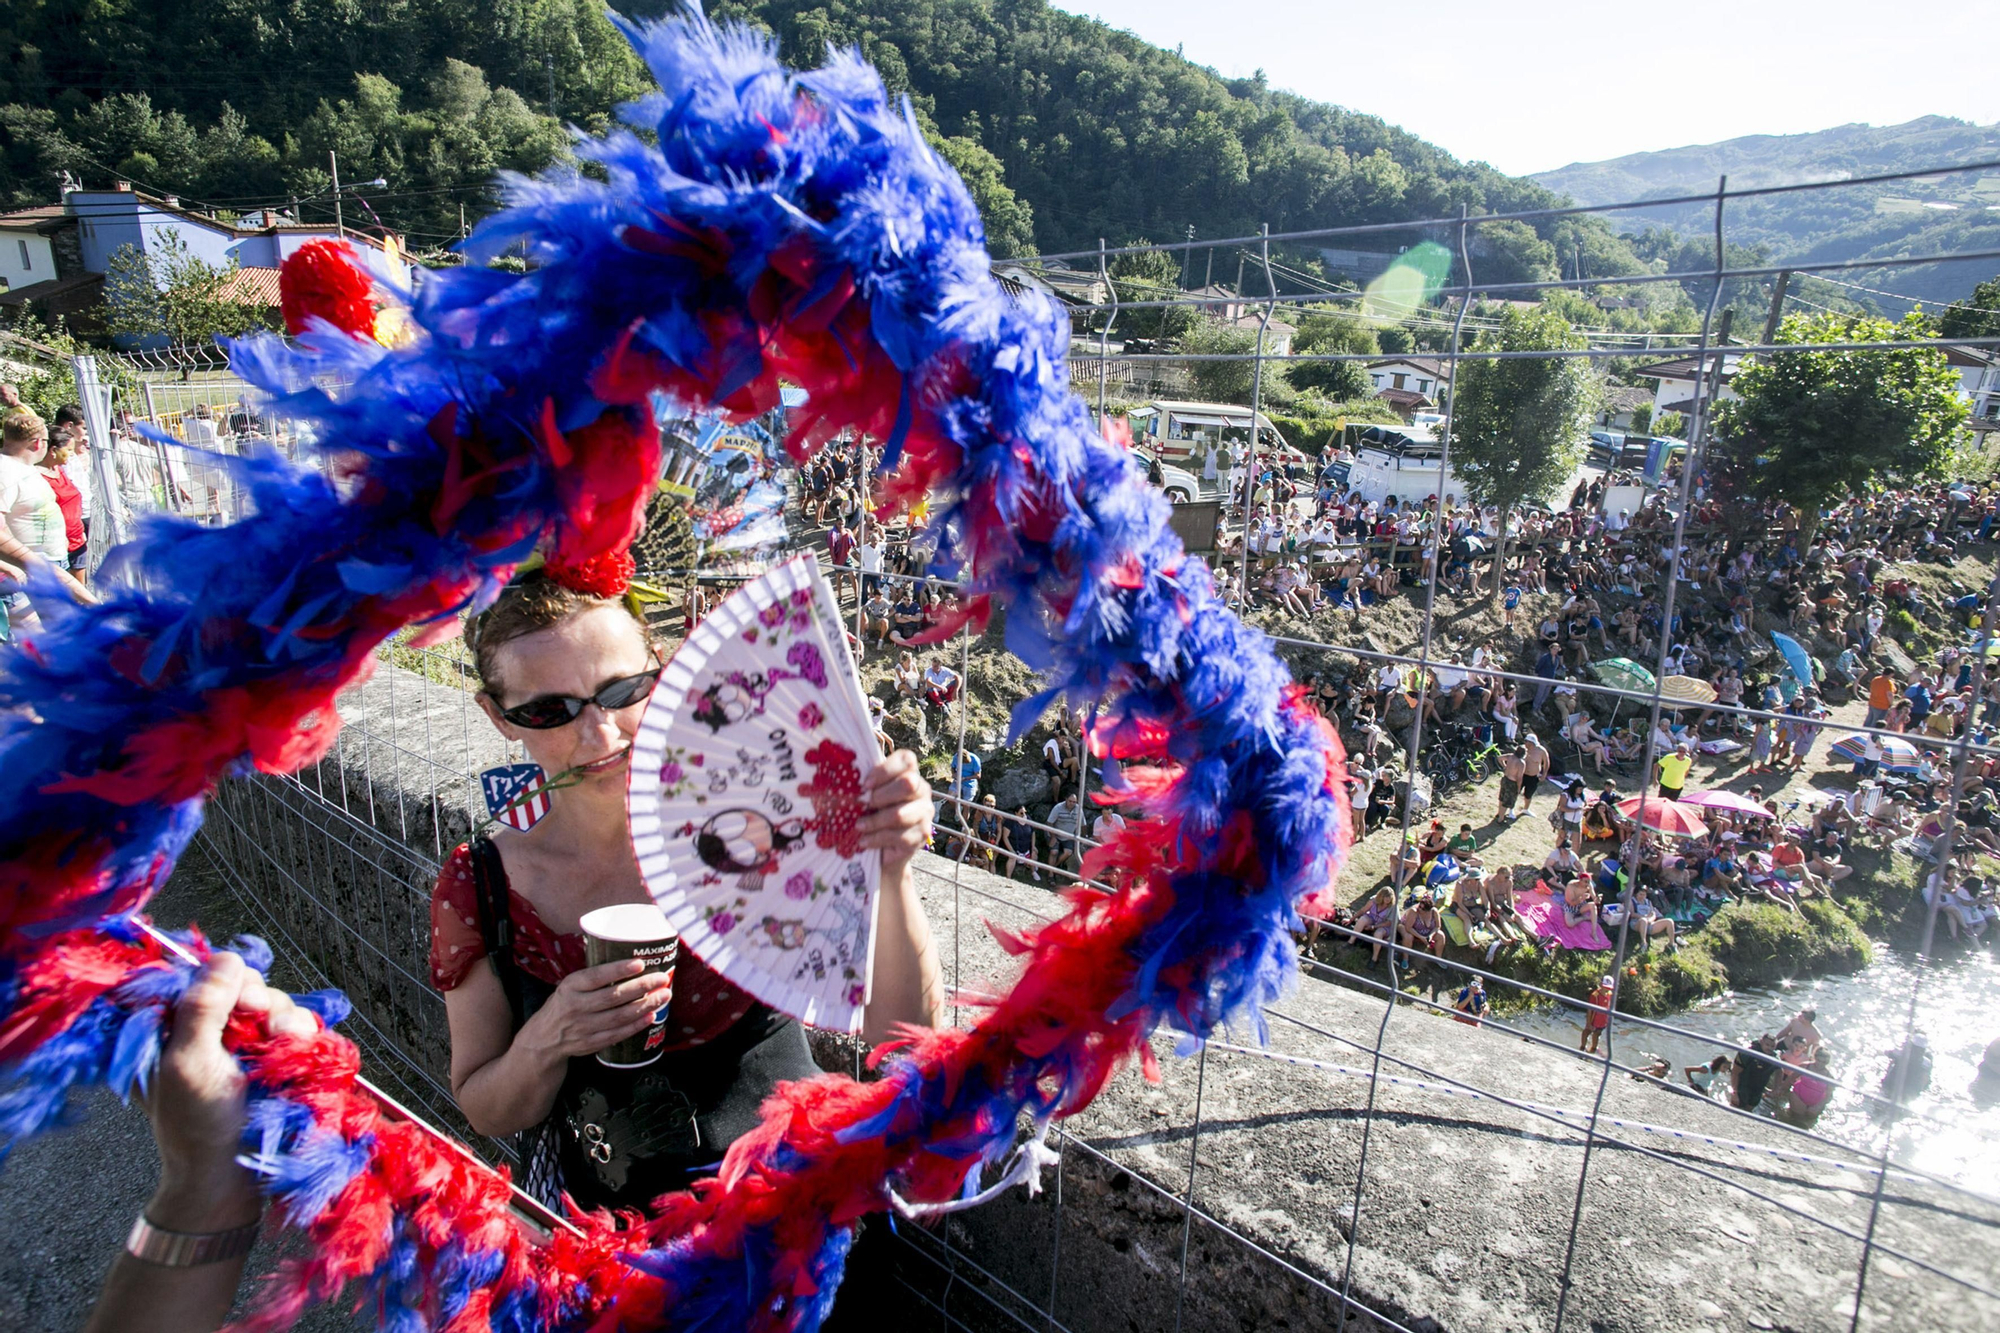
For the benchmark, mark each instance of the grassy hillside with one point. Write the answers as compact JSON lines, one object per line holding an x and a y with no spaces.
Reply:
{"x":1940,"y":214}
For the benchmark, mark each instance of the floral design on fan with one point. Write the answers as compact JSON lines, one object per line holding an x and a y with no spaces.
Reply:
{"x":675,"y":780}
{"x":723,"y":918}
{"x":835,"y":793}
{"x":810,"y":717}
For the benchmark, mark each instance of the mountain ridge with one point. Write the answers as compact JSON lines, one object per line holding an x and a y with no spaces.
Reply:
{"x":1950,"y":212}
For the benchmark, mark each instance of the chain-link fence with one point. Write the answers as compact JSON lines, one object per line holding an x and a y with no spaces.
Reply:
{"x":1375,"y":1163}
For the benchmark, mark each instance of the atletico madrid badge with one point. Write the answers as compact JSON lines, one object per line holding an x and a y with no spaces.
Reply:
{"x":517,"y":794}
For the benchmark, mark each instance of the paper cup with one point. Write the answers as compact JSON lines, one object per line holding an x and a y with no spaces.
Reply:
{"x":634,"y":930}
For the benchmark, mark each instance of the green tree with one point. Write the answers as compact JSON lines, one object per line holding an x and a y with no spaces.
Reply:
{"x":1149,"y":275}
{"x":1395,"y":340}
{"x":1518,"y":426}
{"x":1642,"y":419}
{"x":174,"y":294}
{"x":1010,"y":222}
{"x":1229,"y":381}
{"x":1328,"y":332}
{"x":1808,"y":427}
{"x":1977,"y":316}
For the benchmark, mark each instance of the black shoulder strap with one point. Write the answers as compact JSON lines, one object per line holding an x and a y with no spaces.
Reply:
{"x":496,"y":924}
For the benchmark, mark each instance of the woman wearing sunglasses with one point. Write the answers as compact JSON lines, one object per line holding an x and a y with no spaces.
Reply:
{"x":567,"y":673}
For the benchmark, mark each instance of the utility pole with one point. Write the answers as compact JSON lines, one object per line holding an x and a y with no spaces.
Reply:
{"x":339,"y":224}
{"x":1777,"y":306}
{"x":461,"y":220}
{"x":1188,"y":260}
{"x":549,"y":59}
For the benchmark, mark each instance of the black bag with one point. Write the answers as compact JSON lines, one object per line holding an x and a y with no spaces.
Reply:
{"x":622,"y":1137}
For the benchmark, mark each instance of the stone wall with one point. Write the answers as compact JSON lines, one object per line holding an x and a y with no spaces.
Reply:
{"x":1466,"y":1210}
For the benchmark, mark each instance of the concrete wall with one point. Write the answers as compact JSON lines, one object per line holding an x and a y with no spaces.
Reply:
{"x":1467,"y":1203}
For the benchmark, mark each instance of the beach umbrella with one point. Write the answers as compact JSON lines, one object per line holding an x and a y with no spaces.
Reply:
{"x":1796,"y":657}
{"x":1682,"y":691}
{"x":1622,"y":673}
{"x":1726,"y":800}
{"x":1896,"y":752}
{"x":1673,"y":818}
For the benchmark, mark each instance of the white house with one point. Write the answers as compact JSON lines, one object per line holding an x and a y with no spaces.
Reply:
{"x":1677,"y":382}
{"x":1979,"y":380}
{"x":27,"y":249}
{"x":1424,"y":375}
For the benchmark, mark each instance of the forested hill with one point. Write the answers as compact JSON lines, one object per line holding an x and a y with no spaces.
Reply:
{"x":1957,"y":211}
{"x":1067,"y":129}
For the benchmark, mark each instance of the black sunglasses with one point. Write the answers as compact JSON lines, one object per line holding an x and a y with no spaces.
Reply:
{"x":558,"y":710}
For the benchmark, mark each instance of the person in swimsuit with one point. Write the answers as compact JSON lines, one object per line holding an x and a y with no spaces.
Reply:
{"x":566,"y":674}
{"x":1377,"y":921}
{"x":1422,"y":927}
{"x":1535,"y":767}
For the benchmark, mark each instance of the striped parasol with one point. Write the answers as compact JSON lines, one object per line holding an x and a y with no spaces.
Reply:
{"x":1681,"y":691}
{"x":1896,"y":752}
{"x":1673,"y":818}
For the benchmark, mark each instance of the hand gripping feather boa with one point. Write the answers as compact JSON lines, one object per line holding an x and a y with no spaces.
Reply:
{"x":788,"y":227}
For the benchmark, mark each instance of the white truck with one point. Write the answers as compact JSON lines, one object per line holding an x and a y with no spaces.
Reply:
{"x":1405,"y":462}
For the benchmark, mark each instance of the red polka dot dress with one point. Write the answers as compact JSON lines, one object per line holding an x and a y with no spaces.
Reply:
{"x":705,"y":1005}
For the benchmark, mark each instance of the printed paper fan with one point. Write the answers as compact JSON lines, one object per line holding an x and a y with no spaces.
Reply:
{"x":745,"y":786}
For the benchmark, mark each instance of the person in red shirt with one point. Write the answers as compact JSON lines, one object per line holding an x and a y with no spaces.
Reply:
{"x":70,"y":500}
{"x":1599,"y":1017}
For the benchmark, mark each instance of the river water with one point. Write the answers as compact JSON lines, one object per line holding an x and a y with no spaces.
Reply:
{"x":1954,"y":1128}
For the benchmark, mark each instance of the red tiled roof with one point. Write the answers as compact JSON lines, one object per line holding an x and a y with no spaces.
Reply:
{"x":43,"y":217}
{"x":252,"y":286}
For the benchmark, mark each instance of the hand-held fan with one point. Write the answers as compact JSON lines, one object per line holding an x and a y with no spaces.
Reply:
{"x":744,"y":791}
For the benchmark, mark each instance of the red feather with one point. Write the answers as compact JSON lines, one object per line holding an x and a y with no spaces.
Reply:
{"x":324,"y":279}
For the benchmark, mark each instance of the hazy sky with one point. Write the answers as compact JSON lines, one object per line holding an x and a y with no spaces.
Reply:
{"x":1530,"y":85}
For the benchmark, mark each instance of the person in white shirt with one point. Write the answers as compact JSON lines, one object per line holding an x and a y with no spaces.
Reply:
{"x":1107,"y":824}
{"x":940,"y":685}
{"x":209,"y":479}
{"x":870,"y":555}
{"x":34,"y":528}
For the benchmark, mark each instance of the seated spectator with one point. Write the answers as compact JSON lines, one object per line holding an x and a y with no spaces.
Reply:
{"x":1021,"y":844}
{"x":875,"y":614}
{"x":1648,"y":923}
{"x":1421,"y":928}
{"x":940,"y":684}
{"x":906,"y":618}
{"x":1377,"y":922}
{"x":909,"y":676}
{"x":1580,"y":904}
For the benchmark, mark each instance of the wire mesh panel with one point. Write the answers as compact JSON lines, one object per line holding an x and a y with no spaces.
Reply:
{"x":1381,"y":1152}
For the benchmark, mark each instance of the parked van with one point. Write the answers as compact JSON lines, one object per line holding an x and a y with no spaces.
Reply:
{"x":1172,"y":429}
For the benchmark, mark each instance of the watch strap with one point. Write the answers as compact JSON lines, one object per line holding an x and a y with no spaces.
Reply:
{"x":182,"y":1249}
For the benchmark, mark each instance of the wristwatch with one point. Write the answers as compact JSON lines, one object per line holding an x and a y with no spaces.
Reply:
{"x":182,"y":1249}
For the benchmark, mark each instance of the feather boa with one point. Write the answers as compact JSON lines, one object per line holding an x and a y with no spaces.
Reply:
{"x":788,"y":227}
